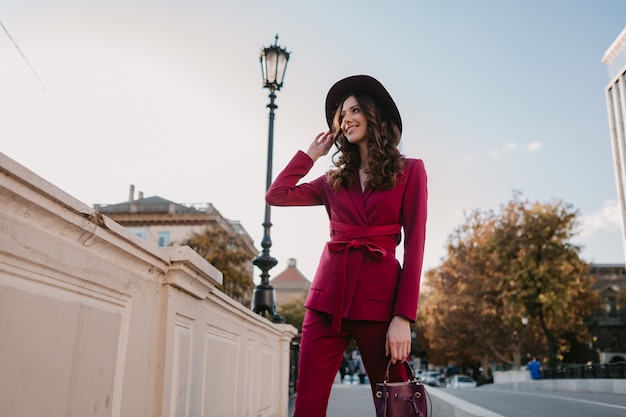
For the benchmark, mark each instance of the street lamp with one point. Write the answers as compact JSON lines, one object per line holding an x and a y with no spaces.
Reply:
{"x":525,"y":337}
{"x":273,"y":64}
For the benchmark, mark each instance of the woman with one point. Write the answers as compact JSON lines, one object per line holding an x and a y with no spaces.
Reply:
{"x":374,"y":194}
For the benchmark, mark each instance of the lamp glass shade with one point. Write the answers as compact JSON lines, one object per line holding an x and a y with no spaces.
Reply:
{"x":273,"y":65}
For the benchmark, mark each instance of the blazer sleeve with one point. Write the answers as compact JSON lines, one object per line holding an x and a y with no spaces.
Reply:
{"x":285,"y":190}
{"x":414,"y":213}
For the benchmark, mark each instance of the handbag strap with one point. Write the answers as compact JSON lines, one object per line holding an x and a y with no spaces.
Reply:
{"x":409,"y":371}
{"x":412,"y":379}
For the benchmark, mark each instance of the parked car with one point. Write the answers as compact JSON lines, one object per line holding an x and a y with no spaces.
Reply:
{"x":432,"y":378}
{"x":462,"y":381}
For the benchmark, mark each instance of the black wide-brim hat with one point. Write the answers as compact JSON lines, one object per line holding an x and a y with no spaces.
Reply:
{"x":363,"y":84}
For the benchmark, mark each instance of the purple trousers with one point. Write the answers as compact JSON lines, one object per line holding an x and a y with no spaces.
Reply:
{"x":321,"y":351}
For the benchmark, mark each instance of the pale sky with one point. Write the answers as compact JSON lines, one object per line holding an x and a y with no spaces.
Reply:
{"x":495,"y":96}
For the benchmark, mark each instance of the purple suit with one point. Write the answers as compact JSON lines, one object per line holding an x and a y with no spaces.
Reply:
{"x":375,"y":288}
{"x":359,"y":286}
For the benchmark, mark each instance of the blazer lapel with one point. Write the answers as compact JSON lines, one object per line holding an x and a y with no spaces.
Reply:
{"x":358,"y":199}
{"x":366,"y":194}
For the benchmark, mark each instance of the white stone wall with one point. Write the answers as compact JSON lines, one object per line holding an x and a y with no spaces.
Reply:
{"x":95,"y":321}
{"x":501,"y":377}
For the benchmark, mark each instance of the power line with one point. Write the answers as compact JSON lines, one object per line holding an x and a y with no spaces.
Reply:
{"x":31,"y":68}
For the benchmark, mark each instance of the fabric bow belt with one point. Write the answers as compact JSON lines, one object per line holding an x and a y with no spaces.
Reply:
{"x":373,"y":240}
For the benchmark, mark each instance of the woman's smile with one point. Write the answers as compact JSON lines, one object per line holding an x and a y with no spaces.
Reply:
{"x":353,"y":120}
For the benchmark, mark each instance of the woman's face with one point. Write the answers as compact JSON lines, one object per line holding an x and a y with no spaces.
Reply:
{"x":353,"y":121}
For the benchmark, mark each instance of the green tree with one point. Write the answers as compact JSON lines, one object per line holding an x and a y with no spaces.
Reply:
{"x":226,"y":253}
{"x":293,"y":312}
{"x":511,"y":281}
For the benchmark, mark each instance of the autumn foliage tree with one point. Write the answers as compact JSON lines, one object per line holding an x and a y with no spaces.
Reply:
{"x":621,"y":299}
{"x":226,"y":253}
{"x":512,"y":283}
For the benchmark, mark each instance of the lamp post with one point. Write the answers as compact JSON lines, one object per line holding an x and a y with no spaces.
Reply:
{"x":524,"y":339}
{"x":273,"y":65}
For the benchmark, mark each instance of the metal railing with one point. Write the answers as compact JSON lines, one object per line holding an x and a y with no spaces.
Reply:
{"x":294,"y":358}
{"x":608,"y":370}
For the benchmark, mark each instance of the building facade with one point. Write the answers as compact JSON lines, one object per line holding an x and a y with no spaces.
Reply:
{"x":166,"y":223}
{"x":608,"y":328}
{"x":290,"y":285}
{"x":615,"y":60}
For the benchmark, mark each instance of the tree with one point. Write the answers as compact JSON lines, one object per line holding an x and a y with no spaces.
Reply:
{"x":511,"y":280}
{"x":293,"y":312}
{"x":461,"y":310}
{"x":226,"y":253}
{"x":621,"y":300}
{"x":546,"y":276}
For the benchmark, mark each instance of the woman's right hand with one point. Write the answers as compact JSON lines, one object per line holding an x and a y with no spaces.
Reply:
{"x":321,"y":145}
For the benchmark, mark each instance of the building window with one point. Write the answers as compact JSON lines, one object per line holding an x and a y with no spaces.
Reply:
{"x":614,"y":341}
{"x":164,"y":239}
{"x":140,"y":232}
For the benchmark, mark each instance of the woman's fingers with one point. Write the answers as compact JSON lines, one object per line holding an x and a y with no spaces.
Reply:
{"x":321,"y":145}
{"x":325,"y":140}
{"x":398,"y":341}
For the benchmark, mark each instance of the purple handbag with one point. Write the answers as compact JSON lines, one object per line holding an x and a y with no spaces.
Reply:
{"x":401,"y":399}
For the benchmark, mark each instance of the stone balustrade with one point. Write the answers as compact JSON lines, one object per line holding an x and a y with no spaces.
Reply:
{"x":95,"y":321}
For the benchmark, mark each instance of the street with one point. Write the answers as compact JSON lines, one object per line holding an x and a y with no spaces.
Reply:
{"x":355,"y":400}
{"x":545,"y":403}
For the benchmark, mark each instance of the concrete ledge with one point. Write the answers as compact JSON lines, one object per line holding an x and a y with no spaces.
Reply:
{"x":501,"y":377}
{"x":605,"y":386}
{"x":444,"y":404}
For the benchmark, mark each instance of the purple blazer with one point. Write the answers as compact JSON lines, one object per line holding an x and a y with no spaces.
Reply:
{"x":358,"y":276}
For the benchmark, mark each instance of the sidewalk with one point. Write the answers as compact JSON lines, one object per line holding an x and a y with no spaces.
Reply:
{"x":356,"y":401}
{"x":348,"y":401}
{"x":351,"y":401}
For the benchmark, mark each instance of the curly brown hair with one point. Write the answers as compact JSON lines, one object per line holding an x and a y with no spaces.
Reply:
{"x":384,"y":161}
